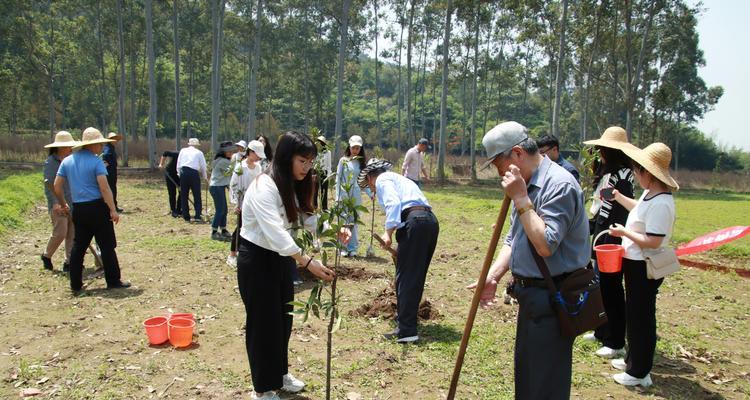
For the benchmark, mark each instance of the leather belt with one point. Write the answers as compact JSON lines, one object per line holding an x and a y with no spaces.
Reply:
{"x":537,"y":282}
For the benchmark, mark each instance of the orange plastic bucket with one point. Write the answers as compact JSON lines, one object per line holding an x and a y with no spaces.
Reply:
{"x":609,"y":257}
{"x":182,"y":315}
{"x":156,"y":330}
{"x":181,"y":332}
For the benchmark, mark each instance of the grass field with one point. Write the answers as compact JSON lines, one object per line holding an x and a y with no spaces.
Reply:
{"x":94,"y":347}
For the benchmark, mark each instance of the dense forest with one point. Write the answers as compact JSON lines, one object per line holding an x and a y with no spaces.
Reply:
{"x":392,"y":71}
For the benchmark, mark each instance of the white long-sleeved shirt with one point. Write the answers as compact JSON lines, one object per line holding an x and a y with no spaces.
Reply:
{"x":241,"y":179}
{"x":325,"y":161}
{"x":413,"y":164}
{"x":264,"y":220}
{"x":192,"y":158}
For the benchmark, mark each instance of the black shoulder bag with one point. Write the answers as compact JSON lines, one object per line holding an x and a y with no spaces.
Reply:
{"x":578,"y":299}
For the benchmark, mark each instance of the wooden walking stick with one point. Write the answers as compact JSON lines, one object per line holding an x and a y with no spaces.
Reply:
{"x":478,"y":295}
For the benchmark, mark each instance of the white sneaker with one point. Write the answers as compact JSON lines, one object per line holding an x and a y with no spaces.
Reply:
{"x":607,"y":352}
{"x":270,"y":395}
{"x":589,"y":337}
{"x":292,"y":384}
{"x":626,"y":379}
{"x":407,"y":339}
{"x":232,"y":261}
{"x":620,"y":364}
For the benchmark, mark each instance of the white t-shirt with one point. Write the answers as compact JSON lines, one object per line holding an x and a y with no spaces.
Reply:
{"x":242,"y":176}
{"x":653,"y":216}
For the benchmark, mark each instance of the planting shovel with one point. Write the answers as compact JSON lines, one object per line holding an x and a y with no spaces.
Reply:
{"x":370,"y":251}
{"x":478,"y":295}
{"x":394,"y":253}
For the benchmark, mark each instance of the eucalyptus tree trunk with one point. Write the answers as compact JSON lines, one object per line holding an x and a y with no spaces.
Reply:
{"x":133,"y":106}
{"x":217,"y":9}
{"x":254,"y":74}
{"x":633,"y":78}
{"x":473,"y":137}
{"x":559,"y":73}
{"x":409,"y":44}
{"x":102,"y":77}
{"x":151,"y":86}
{"x":51,"y":74}
{"x":177,"y":97}
{"x":398,"y":88}
{"x":444,"y":95}
{"x":377,"y":77}
{"x":343,"y":31}
{"x":121,"y":95}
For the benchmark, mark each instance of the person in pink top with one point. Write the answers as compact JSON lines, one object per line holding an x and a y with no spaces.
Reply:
{"x":414,"y":162}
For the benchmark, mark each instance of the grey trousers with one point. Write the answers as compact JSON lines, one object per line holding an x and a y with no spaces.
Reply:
{"x":543,"y":358}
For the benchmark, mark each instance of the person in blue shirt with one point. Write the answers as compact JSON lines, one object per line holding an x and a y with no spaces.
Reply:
{"x":109,"y":156}
{"x":410,"y":217}
{"x":94,"y":211}
{"x":347,"y":172}
{"x":549,"y":146}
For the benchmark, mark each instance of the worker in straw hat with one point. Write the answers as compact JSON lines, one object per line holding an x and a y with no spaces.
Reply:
{"x":191,"y":166}
{"x":647,"y":231}
{"x":94,"y":211}
{"x":410,"y":217}
{"x":109,"y":156}
{"x":612,"y":172}
{"x":62,"y":222}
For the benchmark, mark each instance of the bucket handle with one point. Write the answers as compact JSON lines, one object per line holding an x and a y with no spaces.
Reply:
{"x":593,"y":242}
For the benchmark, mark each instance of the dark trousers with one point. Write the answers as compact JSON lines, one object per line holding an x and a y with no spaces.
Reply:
{"x":543,"y":357}
{"x":175,"y":199}
{"x":323,"y":192}
{"x":416,"y":244}
{"x":236,"y":234}
{"x":612,"y":333}
{"x":266,"y":289}
{"x":219,"y":194}
{"x":112,"y":180}
{"x":91,"y":220}
{"x":190,"y":181}
{"x":640,"y":306}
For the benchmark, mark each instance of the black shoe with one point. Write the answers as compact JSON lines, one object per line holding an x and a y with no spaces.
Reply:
{"x":119,"y":285}
{"x":47,"y":263}
{"x":66,"y":267}
{"x":395,"y":335}
{"x":198,"y":220}
{"x":216,"y":236}
{"x":119,"y":210}
{"x":175,"y":215}
{"x":226,"y":233}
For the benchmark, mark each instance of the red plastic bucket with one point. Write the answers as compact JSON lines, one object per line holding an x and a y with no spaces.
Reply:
{"x":182,"y":315}
{"x":181,"y":332}
{"x":609,"y":257}
{"x":156,"y":330}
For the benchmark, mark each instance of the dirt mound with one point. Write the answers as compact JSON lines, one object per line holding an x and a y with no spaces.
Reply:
{"x":384,"y":305}
{"x":346,"y":273}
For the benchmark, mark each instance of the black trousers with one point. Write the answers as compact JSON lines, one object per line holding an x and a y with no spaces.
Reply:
{"x":236,"y":234}
{"x":640,"y":305}
{"x":323,"y":192}
{"x":175,"y":200}
{"x":543,"y":357}
{"x":416,"y":244}
{"x":112,"y":180}
{"x":190,"y":181}
{"x":266,"y":289}
{"x":612,"y":333}
{"x":91,"y":220}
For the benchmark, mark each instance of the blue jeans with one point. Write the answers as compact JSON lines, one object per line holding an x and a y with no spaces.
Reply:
{"x":219,"y":194}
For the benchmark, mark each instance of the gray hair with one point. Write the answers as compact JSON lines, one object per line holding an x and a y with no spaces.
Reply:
{"x":528,"y":145}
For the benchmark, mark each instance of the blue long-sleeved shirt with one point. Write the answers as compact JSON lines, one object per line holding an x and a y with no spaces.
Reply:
{"x":395,"y":194}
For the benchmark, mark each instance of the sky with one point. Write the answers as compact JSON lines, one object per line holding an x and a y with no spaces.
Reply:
{"x":725,"y":41}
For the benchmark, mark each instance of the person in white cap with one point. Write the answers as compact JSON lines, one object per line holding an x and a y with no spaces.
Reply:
{"x":94,"y":211}
{"x":548,"y":219}
{"x":353,"y":161}
{"x":243,"y":174}
{"x":239,"y":154}
{"x":191,"y":166}
{"x":62,"y":222}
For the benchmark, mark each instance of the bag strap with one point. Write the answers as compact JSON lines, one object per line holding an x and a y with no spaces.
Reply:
{"x":543,"y":269}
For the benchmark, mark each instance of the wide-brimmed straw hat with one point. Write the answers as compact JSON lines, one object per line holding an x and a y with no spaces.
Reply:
{"x":322,"y":139}
{"x":92,"y":136}
{"x":613,"y":137}
{"x":114,"y":136}
{"x":63,"y":139}
{"x":654,"y":158}
{"x":373,"y":164}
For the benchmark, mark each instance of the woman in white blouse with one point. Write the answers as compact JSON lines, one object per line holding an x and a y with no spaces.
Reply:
{"x":649,"y":227}
{"x":273,"y":204}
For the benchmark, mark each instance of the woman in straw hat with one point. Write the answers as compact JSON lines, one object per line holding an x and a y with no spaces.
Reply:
{"x":613,"y":172}
{"x":649,"y":226}
{"x":94,"y":212}
{"x":62,"y":221}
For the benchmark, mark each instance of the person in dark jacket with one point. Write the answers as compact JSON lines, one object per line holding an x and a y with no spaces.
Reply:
{"x":613,"y":172}
{"x":109,"y":156}
{"x":173,"y":181}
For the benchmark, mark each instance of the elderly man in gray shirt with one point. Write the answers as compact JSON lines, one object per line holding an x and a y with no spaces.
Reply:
{"x":548,"y":218}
